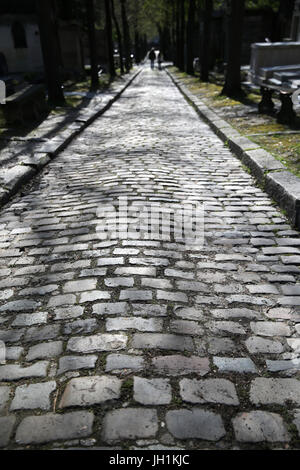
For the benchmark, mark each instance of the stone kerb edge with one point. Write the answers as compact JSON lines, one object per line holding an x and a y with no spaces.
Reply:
{"x":280,"y":184}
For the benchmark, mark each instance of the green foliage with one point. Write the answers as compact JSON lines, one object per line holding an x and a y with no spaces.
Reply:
{"x":256,"y":4}
{"x":250,"y":4}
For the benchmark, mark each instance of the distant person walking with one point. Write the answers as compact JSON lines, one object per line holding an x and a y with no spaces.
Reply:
{"x":159,"y":60}
{"x":152,"y":57}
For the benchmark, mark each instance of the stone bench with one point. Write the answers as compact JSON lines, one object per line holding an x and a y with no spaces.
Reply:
{"x":26,"y":105}
{"x":286,"y":114}
{"x":275,"y":68}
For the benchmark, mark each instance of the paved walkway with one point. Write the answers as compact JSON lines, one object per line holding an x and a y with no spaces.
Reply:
{"x":148,"y":343}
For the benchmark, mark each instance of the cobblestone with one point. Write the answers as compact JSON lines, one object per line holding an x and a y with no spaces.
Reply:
{"x":30,"y":319}
{"x":4,"y":396}
{"x":152,"y":392}
{"x":278,"y":391}
{"x":135,"y":294}
{"x":78,"y":286}
{"x":141,"y":324}
{"x":184,"y":327}
{"x":93,"y":295}
{"x":198,"y":424}
{"x":80,"y":326}
{"x":110,"y":308}
{"x":17,"y":372}
{"x":237,"y":364}
{"x":42,"y":333}
{"x":208,"y":391}
{"x":33,"y":396}
{"x":121,"y":362}
{"x":86,"y":391}
{"x":130,"y":423}
{"x":172,"y":296}
{"x":297,"y":420}
{"x":67,"y":363}
{"x":162,"y":341}
{"x":54,"y":427}
{"x":168,"y":345}
{"x":258,"y":426}
{"x":100,"y":342}
{"x":270,"y":329}
{"x":257,"y":345}
{"x":67,"y":313}
{"x":6,"y":427}
{"x":45,"y":350}
{"x":181,"y":365}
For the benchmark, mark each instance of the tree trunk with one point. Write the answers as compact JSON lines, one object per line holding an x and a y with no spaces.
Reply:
{"x":190,"y":34}
{"x":50,"y":50}
{"x":145,"y":46}
{"x":182,"y":35}
{"x":110,"y":48}
{"x":137,"y":48}
{"x":90,"y":13}
{"x":173,"y":33}
{"x":119,"y":36}
{"x":167,"y":43}
{"x":235,"y":10}
{"x":177,"y":34}
{"x":206,"y":40}
{"x":126,"y":36}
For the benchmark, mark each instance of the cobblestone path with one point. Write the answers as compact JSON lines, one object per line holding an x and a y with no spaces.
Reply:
{"x":143,"y":343}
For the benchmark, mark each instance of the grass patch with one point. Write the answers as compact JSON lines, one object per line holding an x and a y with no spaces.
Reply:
{"x":242,"y":114}
{"x":83,"y":87}
{"x":285,"y":148}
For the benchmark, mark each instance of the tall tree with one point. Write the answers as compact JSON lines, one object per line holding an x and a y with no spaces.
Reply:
{"x":206,"y":40}
{"x":137,"y":46}
{"x":119,"y":35}
{"x":177,"y":33}
{"x":190,"y":33}
{"x":110,"y":47}
{"x":126,"y":36}
{"x":50,"y":50}
{"x":90,"y":13}
{"x":173,"y":30}
{"x":235,"y":15}
{"x":181,"y":34}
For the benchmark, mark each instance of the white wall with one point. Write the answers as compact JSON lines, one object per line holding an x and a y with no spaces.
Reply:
{"x":22,"y":60}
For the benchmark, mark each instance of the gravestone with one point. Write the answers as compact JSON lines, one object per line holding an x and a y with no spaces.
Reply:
{"x":295,"y":31}
{"x":2,"y":92}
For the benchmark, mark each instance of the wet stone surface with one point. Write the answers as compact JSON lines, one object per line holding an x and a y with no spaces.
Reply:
{"x":141,"y":339}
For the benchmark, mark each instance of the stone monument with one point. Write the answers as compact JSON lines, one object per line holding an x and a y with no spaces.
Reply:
{"x":295,"y":31}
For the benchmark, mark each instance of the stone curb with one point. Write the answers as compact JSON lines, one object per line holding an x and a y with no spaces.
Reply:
{"x":280,"y":184}
{"x":14,"y":178}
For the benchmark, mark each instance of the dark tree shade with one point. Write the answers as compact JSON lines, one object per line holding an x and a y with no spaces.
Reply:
{"x":235,"y":15}
{"x":137,"y":47}
{"x":177,"y":32}
{"x":90,"y":13}
{"x":182,"y":34}
{"x":119,"y":35}
{"x":283,"y":21}
{"x":126,"y":36}
{"x":50,"y":50}
{"x":19,"y":35}
{"x":110,"y":48}
{"x":206,"y":40}
{"x":190,"y":33}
